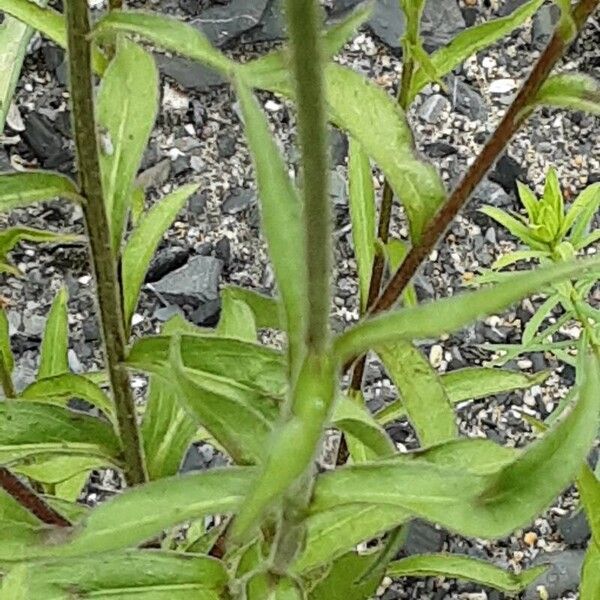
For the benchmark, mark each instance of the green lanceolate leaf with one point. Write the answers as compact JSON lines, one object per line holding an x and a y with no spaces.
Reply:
{"x":538,"y":317}
{"x":140,"y":513}
{"x":466,"y":568}
{"x":7,"y":360}
{"x":266,"y":310}
{"x":143,"y":242}
{"x":353,"y":418}
{"x":59,"y":389}
{"x":131,"y":83}
{"x":362,"y":213}
{"x":9,"y":238}
{"x":472,"y":40}
{"x":167,"y":33}
{"x":581,"y":212}
{"x":331,"y":533}
{"x":574,"y":91}
{"x":241,"y":364}
{"x":21,"y":189}
{"x":54,"y":470}
{"x":447,"y":315}
{"x":281,"y":218}
{"x":375,"y":121}
{"x":237,"y":319}
{"x":55,"y":343}
{"x":126,"y":575}
{"x":590,"y":575}
{"x":30,"y":429}
{"x":515,"y":226}
{"x":422,"y":392}
{"x":167,"y":429}
{"x":589,"y":488}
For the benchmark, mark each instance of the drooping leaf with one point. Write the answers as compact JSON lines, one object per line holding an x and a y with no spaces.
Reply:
{"x":465,"y":568}
{"x":472,"y":40}
{"x":21,"y":189}
{"x":30,"y":429}
{"x":126,"y":575}
{"x":9,"y":238}
{"x":266,"y":310}
{"x":423,"y":395}
{"x":58,"y":469}
{"x":447,"y":315}
{"x":144,"y":511}
{"x":144,"y":241}
{"x":334,"y":532}
{"x":131,"y":83}
{"x":242,"y":364}
{"x":236,"y":320}
{"x":375,"y":121}
{"x":281,"y":219}
{"x":574,"y":91}
{"x":167,"y":33}
{"x":362,"y":214}
{"x":7,"y":360}
{"x":353,"y":418}
{"x":167,"y":429}
{"x":59,"y":389}
{"x":55,"y":343}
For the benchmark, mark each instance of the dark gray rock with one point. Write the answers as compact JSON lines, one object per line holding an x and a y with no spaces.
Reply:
{"x":45,"y":141}
{"x":423,"y":538}
{"x":340,"y":7}
{"x":164,"y":313}
{"x":338,"y":189}
{"x":197,"y":203}
{"x":207,"y":315}
{"x":574,"y":529}
{"x":272,"y":25}
{"x":466,"y":101}
{"x":195,"y":284}
{"x":90,"y":329}
{"x":156,"y":175}
{"x":224,"y":23}
{"x":238,"y":201}
{"x":53,"y":56}
{"x":4,"y":160}
{"x":562,"y":576}
{"x":489,"y":192}
{"x":544,"y":22}
{"x":440,"y":149}
{"x":189,"y":74}
{"x":33,"y":326}
{"x":223,"y":251}
{"x":166,"y":261}
{"x":442,"y":20}
{"x":387,"y":22}
{"x":506,"y":173}
{"x":339,"y":147}
{"x":226,"y":145}
{"x":510,"y":6}
{"x":192,"y":7}
{"x":432,"y":109}
{"x":470,"y":14}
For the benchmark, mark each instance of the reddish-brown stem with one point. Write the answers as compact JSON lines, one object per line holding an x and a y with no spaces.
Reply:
{"x":513,"y":119}
{"x":27,"y":498}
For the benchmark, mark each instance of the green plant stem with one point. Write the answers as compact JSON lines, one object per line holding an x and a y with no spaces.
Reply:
{"x":307,"y":65}
{"x":102,"y":257}
{"x":512,"y":121}
{"x":6,"y":382}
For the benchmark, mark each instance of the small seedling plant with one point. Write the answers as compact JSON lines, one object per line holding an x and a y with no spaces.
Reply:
{"x":280,"y":528}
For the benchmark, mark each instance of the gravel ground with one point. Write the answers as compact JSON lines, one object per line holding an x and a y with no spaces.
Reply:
{"x":198,"y":137}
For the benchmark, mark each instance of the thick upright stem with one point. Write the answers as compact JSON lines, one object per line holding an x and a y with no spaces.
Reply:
{"x":304,"y":24}
{"x":102,"y":256}
{"x":6,"y":382}
{"x":512,"y":121}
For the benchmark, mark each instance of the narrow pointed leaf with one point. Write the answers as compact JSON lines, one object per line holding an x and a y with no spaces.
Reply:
{"x":144,"y":511}
{"x":586,"y":203}
{"x":54,"y":470}
{"x":447,"y":315}
{"x":518,"y":255}
{"x":9,"y":238}
{"x":514,"y":225}
{"x":144,"y":241}
{"x":131,"y":83}
{"x":59,"y":389}
{"x":470,"y":41}
{"x":574,"y":91}
{"x":362,"y":214}
{"x":7,"y":360}
{"x":590,"y":575}
{"x":281,"y":218}
{"x":55,"y":343}
{"x":377,"y":122}
{"x":127,"y":575}
{"x":167,"y":33}
{"x":30,"y":429}
{"x":423,"y":395}
{"x":538,"y":317}
{"x":465,"y":568}
{"x":21,"y":189}
{"x":589,"y":489}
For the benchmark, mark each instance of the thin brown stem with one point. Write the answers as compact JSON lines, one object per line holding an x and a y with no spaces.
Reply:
{"x":512,"y":121}
{"x":27,"y":498}
{"x":102,"y":256}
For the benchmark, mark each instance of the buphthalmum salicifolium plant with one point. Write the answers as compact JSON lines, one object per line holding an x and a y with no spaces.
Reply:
{"x":282,"y":529}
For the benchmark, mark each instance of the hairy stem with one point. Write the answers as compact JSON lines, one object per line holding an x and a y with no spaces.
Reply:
{"x":512,"y":121}
{"x":27,"y":498}
{"x":307,"y":65}
{"x":102,"y":256}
